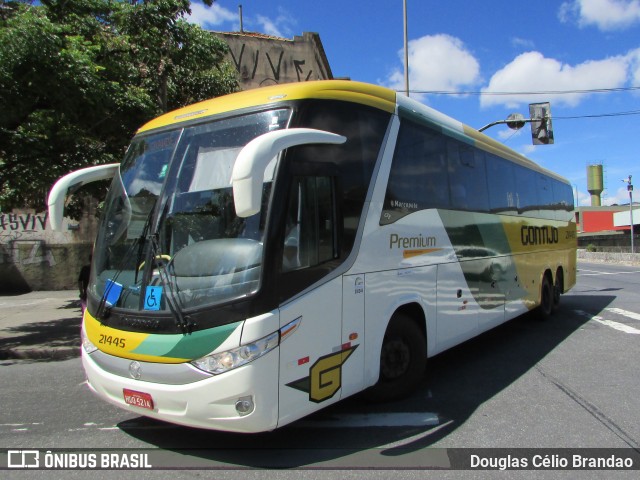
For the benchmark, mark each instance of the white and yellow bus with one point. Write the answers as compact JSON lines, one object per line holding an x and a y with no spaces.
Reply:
{"x":265,"y":254}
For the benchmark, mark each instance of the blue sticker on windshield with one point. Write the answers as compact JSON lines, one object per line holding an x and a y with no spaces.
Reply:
{"x":152,"y":298}
{"x":112,"y":291}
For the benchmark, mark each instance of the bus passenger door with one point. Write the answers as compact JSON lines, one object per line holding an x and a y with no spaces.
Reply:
{"x":312,"y":356}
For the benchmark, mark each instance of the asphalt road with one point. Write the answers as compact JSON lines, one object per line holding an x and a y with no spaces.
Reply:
{"x":570,"y":382}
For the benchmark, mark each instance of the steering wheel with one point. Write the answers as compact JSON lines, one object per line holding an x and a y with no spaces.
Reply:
{"x":158,"y":260}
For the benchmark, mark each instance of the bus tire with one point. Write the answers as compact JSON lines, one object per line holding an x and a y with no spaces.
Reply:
{"x":558,"y":287}
{"x":546,"y":298}
{"x":403,"y":360}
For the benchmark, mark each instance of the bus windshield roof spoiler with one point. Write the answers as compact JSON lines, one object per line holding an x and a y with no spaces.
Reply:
{"x":248,"y":172}
{"x":74,"y":180}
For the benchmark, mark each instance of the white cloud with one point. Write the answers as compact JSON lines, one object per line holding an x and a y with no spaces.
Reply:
{"x":604,"y":14}
{"x":281,"y":26}
{"x":621,"y":197}
{"x":208,"y":17}
{"x":634,"y":66}
{"x":584,"y":199}
{"x":269,"y":26}
{"x":505,"y":134}
{"x":532,"y":72}
{"x":215,"y":16}
{"x":522,"y":43}
{"x":437,"y":62}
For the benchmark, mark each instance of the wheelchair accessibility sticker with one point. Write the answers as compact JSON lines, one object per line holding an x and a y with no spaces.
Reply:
{"x":152,"y":298}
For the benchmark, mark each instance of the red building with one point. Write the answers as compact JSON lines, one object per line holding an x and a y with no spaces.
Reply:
{"x":598,"y":219}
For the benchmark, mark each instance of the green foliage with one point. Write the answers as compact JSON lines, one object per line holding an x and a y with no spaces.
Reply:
{"x":78,"y":77}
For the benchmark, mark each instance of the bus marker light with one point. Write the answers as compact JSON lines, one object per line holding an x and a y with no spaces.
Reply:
{"x":289,"y":328}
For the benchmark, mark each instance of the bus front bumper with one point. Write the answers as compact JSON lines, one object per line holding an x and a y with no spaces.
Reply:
{"x":240,"y":400}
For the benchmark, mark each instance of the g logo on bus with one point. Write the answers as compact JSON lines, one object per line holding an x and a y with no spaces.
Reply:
{"x":325,"y":376}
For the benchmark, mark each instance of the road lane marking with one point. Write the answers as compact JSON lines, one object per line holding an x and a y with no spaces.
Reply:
{"x":626,"y":313}
{"x":414,"y":438}
{"x":363,"y":420}
{"x":609,"y":323}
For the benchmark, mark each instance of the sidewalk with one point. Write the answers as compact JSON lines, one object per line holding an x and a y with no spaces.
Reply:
{"x":40,"y":325}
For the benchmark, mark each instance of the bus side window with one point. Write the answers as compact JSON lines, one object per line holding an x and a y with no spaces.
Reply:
{"x":467,"y":177}
{"x":310,"y":226}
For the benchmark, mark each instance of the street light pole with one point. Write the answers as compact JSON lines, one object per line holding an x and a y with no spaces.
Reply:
{"x":406,"y":48}
{"x":630,"y":190}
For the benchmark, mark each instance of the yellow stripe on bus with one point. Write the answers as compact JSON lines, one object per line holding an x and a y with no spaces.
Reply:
{"x":356,"y":92}
{"x":120,"y":343}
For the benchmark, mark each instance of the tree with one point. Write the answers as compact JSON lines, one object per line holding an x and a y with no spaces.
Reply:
{"x":78,"y":77}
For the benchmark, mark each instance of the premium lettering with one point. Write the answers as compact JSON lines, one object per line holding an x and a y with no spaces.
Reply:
{"x":396,"y":241}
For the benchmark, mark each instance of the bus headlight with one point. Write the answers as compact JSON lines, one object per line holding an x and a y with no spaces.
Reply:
{"x":221,"y":362}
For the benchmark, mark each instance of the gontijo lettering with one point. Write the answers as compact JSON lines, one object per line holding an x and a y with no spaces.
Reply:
{"x":538,"y":235}
{"x":421,"y":241}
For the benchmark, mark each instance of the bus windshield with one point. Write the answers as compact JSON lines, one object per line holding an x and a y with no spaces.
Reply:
{"x":169,"y":236}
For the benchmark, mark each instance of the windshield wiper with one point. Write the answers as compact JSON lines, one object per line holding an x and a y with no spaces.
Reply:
{"x":172,"y":298}
{"x":104,"y":310}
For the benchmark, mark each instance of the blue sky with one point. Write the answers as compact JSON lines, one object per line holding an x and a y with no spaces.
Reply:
{"x":587,"y":49}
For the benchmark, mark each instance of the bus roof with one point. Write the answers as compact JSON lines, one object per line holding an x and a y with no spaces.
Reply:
{"x":357,"y":92}
{"x":346,"y":90}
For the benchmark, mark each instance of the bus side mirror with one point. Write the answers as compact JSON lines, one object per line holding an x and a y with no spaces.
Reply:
{"x":75,"y":179}
{"x":248,"y":172}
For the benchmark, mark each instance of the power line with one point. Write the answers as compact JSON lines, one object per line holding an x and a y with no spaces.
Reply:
{"x":550,"y":92}
{"x":600,"y":115}
{"x":542,"y":92}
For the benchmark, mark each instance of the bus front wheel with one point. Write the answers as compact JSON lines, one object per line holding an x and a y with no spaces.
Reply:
{"x":402,"y":360}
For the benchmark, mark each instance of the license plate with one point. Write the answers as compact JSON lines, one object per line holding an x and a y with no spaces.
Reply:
{"x":138,"y":399}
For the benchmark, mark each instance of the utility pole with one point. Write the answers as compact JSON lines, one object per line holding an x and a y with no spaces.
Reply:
{"x":630,"y":190}
{"x":406,"y":48}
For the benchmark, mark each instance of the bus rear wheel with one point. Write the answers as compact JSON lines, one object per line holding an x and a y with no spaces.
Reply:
{"x":402,"y":360}
{"x":558,"y":287}
{"x":546,"y":298}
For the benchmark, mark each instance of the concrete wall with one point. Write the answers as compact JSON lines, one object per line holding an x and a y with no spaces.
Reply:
{"x":263,"y":60}
{"x":33,"y":257}
{"x":609,"y":257}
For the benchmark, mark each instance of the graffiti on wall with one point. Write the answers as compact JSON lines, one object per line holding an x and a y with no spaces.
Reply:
{"x":16,"y":223}
{"x":249,"y":69}
{"x":21,"y":239}
{"x":30,"y":252}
